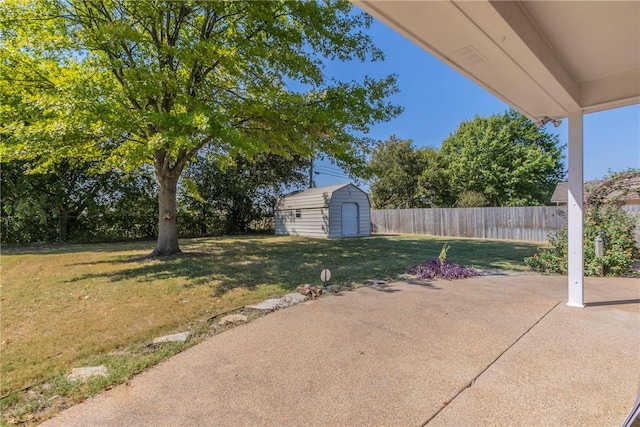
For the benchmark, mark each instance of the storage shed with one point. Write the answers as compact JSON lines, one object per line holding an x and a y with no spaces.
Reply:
{"x":325,"y":212}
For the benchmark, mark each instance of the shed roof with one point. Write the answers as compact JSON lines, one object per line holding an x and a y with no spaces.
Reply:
{"x":318,"y":197}
{"x":561,"y":193}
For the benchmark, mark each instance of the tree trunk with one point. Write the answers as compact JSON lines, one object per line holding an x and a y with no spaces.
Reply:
{"x":63,"y":223}
{"x":167,"y":227}
{"x":203,"y":220}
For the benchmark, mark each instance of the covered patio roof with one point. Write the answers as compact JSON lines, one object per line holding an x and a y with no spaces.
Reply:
{"x":547,"y":59}
{"x":544,"y":58}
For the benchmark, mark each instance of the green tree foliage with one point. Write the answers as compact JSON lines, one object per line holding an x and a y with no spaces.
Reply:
{"x":605,"y":218}
{"x":433,"y":183}
{"x":406,"y":177}
{"x":132,"y":83}
{"x":23,"y":218}
{"x":73,"y":203}
{"x":471,"y":199}
{"x":396,"y":167}
{"x":47,"y":206}
{"x":502,"y":160}
{"x":506,"y":158}
{"x":235,"y":197}
{"x":130,"y":210}
{"x":614,"y":225}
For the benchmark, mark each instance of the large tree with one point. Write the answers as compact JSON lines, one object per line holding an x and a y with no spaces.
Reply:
{"x":128,"y":83}
{"x":506,"y":158}
{"x":395,"y":166}
{"x":407,"y":177}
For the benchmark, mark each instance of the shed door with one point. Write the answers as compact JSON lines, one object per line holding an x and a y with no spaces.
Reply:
{"x":349,"y":219}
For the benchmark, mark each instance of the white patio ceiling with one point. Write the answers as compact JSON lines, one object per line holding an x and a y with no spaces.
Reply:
{"x":544,"y":58}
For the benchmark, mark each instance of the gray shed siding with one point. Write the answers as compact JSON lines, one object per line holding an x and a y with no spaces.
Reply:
{"x":349,"y":194}
{"x":313,"y":222}
{"x":320,"y":212}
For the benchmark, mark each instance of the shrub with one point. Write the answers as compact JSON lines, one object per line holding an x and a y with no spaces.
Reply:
{"x":471,"y":199}
{"x":441,"y":268}
{"x":433,"y":268}
{"x":609,"y":221}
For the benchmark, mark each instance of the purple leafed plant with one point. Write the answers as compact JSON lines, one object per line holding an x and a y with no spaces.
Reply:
{"x":434,"y":268}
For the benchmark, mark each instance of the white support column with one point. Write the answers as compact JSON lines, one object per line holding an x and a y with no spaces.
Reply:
{"x":575,"y":214}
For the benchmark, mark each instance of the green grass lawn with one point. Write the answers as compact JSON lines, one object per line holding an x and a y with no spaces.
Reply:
{"x":65,"y":306}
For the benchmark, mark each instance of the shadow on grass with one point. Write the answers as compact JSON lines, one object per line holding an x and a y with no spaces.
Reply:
{"x":70,"y":248}
{"x":245,"y":262}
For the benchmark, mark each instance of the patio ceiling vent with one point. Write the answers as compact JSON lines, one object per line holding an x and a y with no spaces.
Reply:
{"x":468,"y":57}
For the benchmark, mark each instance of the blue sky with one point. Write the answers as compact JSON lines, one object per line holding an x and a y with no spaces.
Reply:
{"x":437,"y":98}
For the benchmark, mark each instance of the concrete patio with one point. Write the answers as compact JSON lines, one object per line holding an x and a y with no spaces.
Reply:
{"x":492,"y":350}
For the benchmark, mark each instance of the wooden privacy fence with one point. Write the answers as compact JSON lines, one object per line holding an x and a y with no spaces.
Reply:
{"x":531,"y":224}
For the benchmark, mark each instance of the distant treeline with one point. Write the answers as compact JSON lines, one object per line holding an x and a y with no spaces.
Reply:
{"x":76,"y":203}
